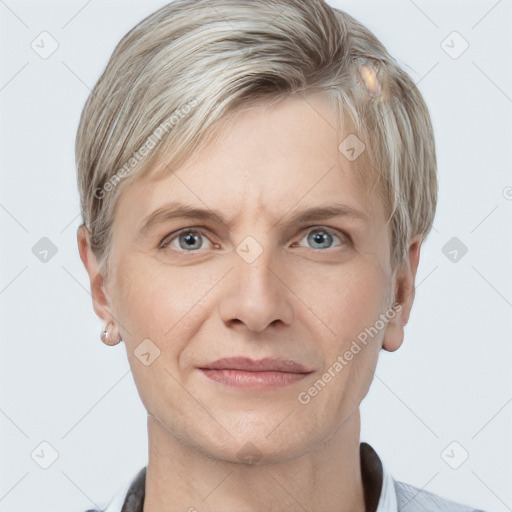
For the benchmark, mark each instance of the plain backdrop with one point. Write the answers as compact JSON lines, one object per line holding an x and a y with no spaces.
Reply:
{"x":447,"y":390}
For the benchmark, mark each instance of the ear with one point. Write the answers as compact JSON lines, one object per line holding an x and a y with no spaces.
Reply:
{"x":404,"y":297}
{"x":100,"y":300}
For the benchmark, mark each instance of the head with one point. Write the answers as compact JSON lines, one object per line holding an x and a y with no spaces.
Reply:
{"x":213,"y":106}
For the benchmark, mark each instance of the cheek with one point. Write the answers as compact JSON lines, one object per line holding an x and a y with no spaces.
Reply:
{"x":155,"y":301}
{"x":347,"y":300}
{"x":161,"y":304}
{"x":350,"y":305}
{"x":159,"y":301}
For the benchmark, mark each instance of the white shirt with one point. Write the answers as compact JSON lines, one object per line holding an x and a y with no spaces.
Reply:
{"x":387,"y":501}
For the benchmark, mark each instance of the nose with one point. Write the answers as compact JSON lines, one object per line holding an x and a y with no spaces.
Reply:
{"x":256,"y":294}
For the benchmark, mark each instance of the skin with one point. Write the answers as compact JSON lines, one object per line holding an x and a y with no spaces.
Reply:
{"x":301,"y":299}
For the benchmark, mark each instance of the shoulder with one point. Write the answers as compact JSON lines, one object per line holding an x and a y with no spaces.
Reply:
{"x":129,"y":497}
{"x":420,"y":500}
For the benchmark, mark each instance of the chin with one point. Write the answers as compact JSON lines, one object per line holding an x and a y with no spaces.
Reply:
{"x":257,"y":448}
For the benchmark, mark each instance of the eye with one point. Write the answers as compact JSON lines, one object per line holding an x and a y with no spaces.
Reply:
{"x":188,"y":239}
{"x":322,"y":238}
{"x":192,"y":239}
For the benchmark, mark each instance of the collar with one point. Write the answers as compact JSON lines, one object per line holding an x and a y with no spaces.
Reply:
{"x":378,"y":486}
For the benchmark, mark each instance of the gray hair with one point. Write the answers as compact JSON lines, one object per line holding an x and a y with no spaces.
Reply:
{"x":184,"y":71}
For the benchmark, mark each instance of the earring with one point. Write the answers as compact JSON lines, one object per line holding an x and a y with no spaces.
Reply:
{"x":110,"y":335}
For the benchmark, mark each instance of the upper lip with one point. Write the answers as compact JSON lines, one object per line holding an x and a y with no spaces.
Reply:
{"x":268,"y":364}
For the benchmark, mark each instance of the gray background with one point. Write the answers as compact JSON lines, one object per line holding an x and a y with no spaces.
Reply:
{"x":450,"y":381}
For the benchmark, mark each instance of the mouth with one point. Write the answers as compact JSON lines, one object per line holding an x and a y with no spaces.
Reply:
{"x":242,"y":372}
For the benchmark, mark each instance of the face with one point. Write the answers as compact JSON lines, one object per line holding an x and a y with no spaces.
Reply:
{"x":261,"y":279}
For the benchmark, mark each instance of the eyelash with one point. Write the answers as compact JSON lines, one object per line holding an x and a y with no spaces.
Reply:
{"x":169,"y":238}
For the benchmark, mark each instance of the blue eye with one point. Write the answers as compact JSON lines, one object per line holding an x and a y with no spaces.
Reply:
{"x":321,"y":237}
{"x":190,"y":240}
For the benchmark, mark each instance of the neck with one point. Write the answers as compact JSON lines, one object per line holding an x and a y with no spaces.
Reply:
{"x":326,"y":478}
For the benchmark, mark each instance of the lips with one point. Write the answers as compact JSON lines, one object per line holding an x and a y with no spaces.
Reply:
{"x":247,"y":374}
{"x":267,"y":364}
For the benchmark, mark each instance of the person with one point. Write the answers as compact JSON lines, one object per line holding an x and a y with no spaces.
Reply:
{"x":256,"y":180}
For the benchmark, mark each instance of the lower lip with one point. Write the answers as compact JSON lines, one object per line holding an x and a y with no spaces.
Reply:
{"x":253,"y":380}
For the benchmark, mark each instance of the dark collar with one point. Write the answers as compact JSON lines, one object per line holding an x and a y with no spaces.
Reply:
{"x":371,"y":473}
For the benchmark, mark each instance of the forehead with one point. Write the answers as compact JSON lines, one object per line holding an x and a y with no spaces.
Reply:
{"x":269,"y":158}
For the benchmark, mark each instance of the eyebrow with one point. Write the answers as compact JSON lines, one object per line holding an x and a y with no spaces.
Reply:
{"x":177,"y":210}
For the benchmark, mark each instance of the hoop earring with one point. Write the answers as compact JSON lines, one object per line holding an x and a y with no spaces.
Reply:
{"x":110,"y":335}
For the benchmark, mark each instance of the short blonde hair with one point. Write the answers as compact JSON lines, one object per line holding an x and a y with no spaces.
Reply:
{"x":184,"y":71}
